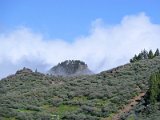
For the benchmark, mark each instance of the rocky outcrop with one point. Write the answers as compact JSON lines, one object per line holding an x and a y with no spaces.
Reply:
{"x":70,"y":68}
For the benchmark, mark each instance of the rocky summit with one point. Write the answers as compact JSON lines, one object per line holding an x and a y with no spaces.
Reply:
{"x":70,"y":68}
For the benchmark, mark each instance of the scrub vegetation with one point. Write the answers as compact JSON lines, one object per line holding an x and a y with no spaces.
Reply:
{"x":29,"y":95}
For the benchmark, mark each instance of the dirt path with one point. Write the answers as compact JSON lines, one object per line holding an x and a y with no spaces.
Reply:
{"x":134,"y":101}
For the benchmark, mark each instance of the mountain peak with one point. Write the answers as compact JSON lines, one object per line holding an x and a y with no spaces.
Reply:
{"x":70,"y":68}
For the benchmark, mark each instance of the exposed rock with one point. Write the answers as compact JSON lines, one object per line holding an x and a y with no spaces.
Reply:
{"x":70,"y":68}
{"x":24,"y":71}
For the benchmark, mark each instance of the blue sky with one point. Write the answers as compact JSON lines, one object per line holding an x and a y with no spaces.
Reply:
{"x":68,"y":19}
{"x":103,"y":33}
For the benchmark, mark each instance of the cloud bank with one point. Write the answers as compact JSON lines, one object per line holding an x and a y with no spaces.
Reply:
{"x":104,"y":47}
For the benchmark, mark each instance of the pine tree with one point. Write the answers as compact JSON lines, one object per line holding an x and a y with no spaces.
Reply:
{"x":140,"y":56}
{"x":145,"y":54}
{"x":154,"y":88}
{"x":152,"y":92}
{"x":150,"y":55}
{"x":131,"y":61}
{"x":135,"y":58}
{"x":157,"y":53}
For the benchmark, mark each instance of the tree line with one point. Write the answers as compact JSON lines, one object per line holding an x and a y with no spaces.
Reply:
{"x":145,"y":55}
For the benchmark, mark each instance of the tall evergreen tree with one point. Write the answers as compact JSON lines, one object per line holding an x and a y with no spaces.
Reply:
{"x":150,"y":55}
{"x":145,"y":54}
{"x":135,"y":58}
{"x":154,"y":88}
{"x":157,"y":53}
{"x":140,"y":56}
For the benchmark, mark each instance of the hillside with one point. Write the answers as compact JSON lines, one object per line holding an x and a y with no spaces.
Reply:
{"x":31,"y":95}
{"x":148,"y":106}
{"x":70,"y":68}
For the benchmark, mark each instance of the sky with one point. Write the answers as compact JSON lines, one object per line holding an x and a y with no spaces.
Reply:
{"x":103,"y":33}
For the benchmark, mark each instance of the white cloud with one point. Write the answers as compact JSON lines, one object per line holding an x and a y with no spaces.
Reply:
{"x":105,"y":47}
